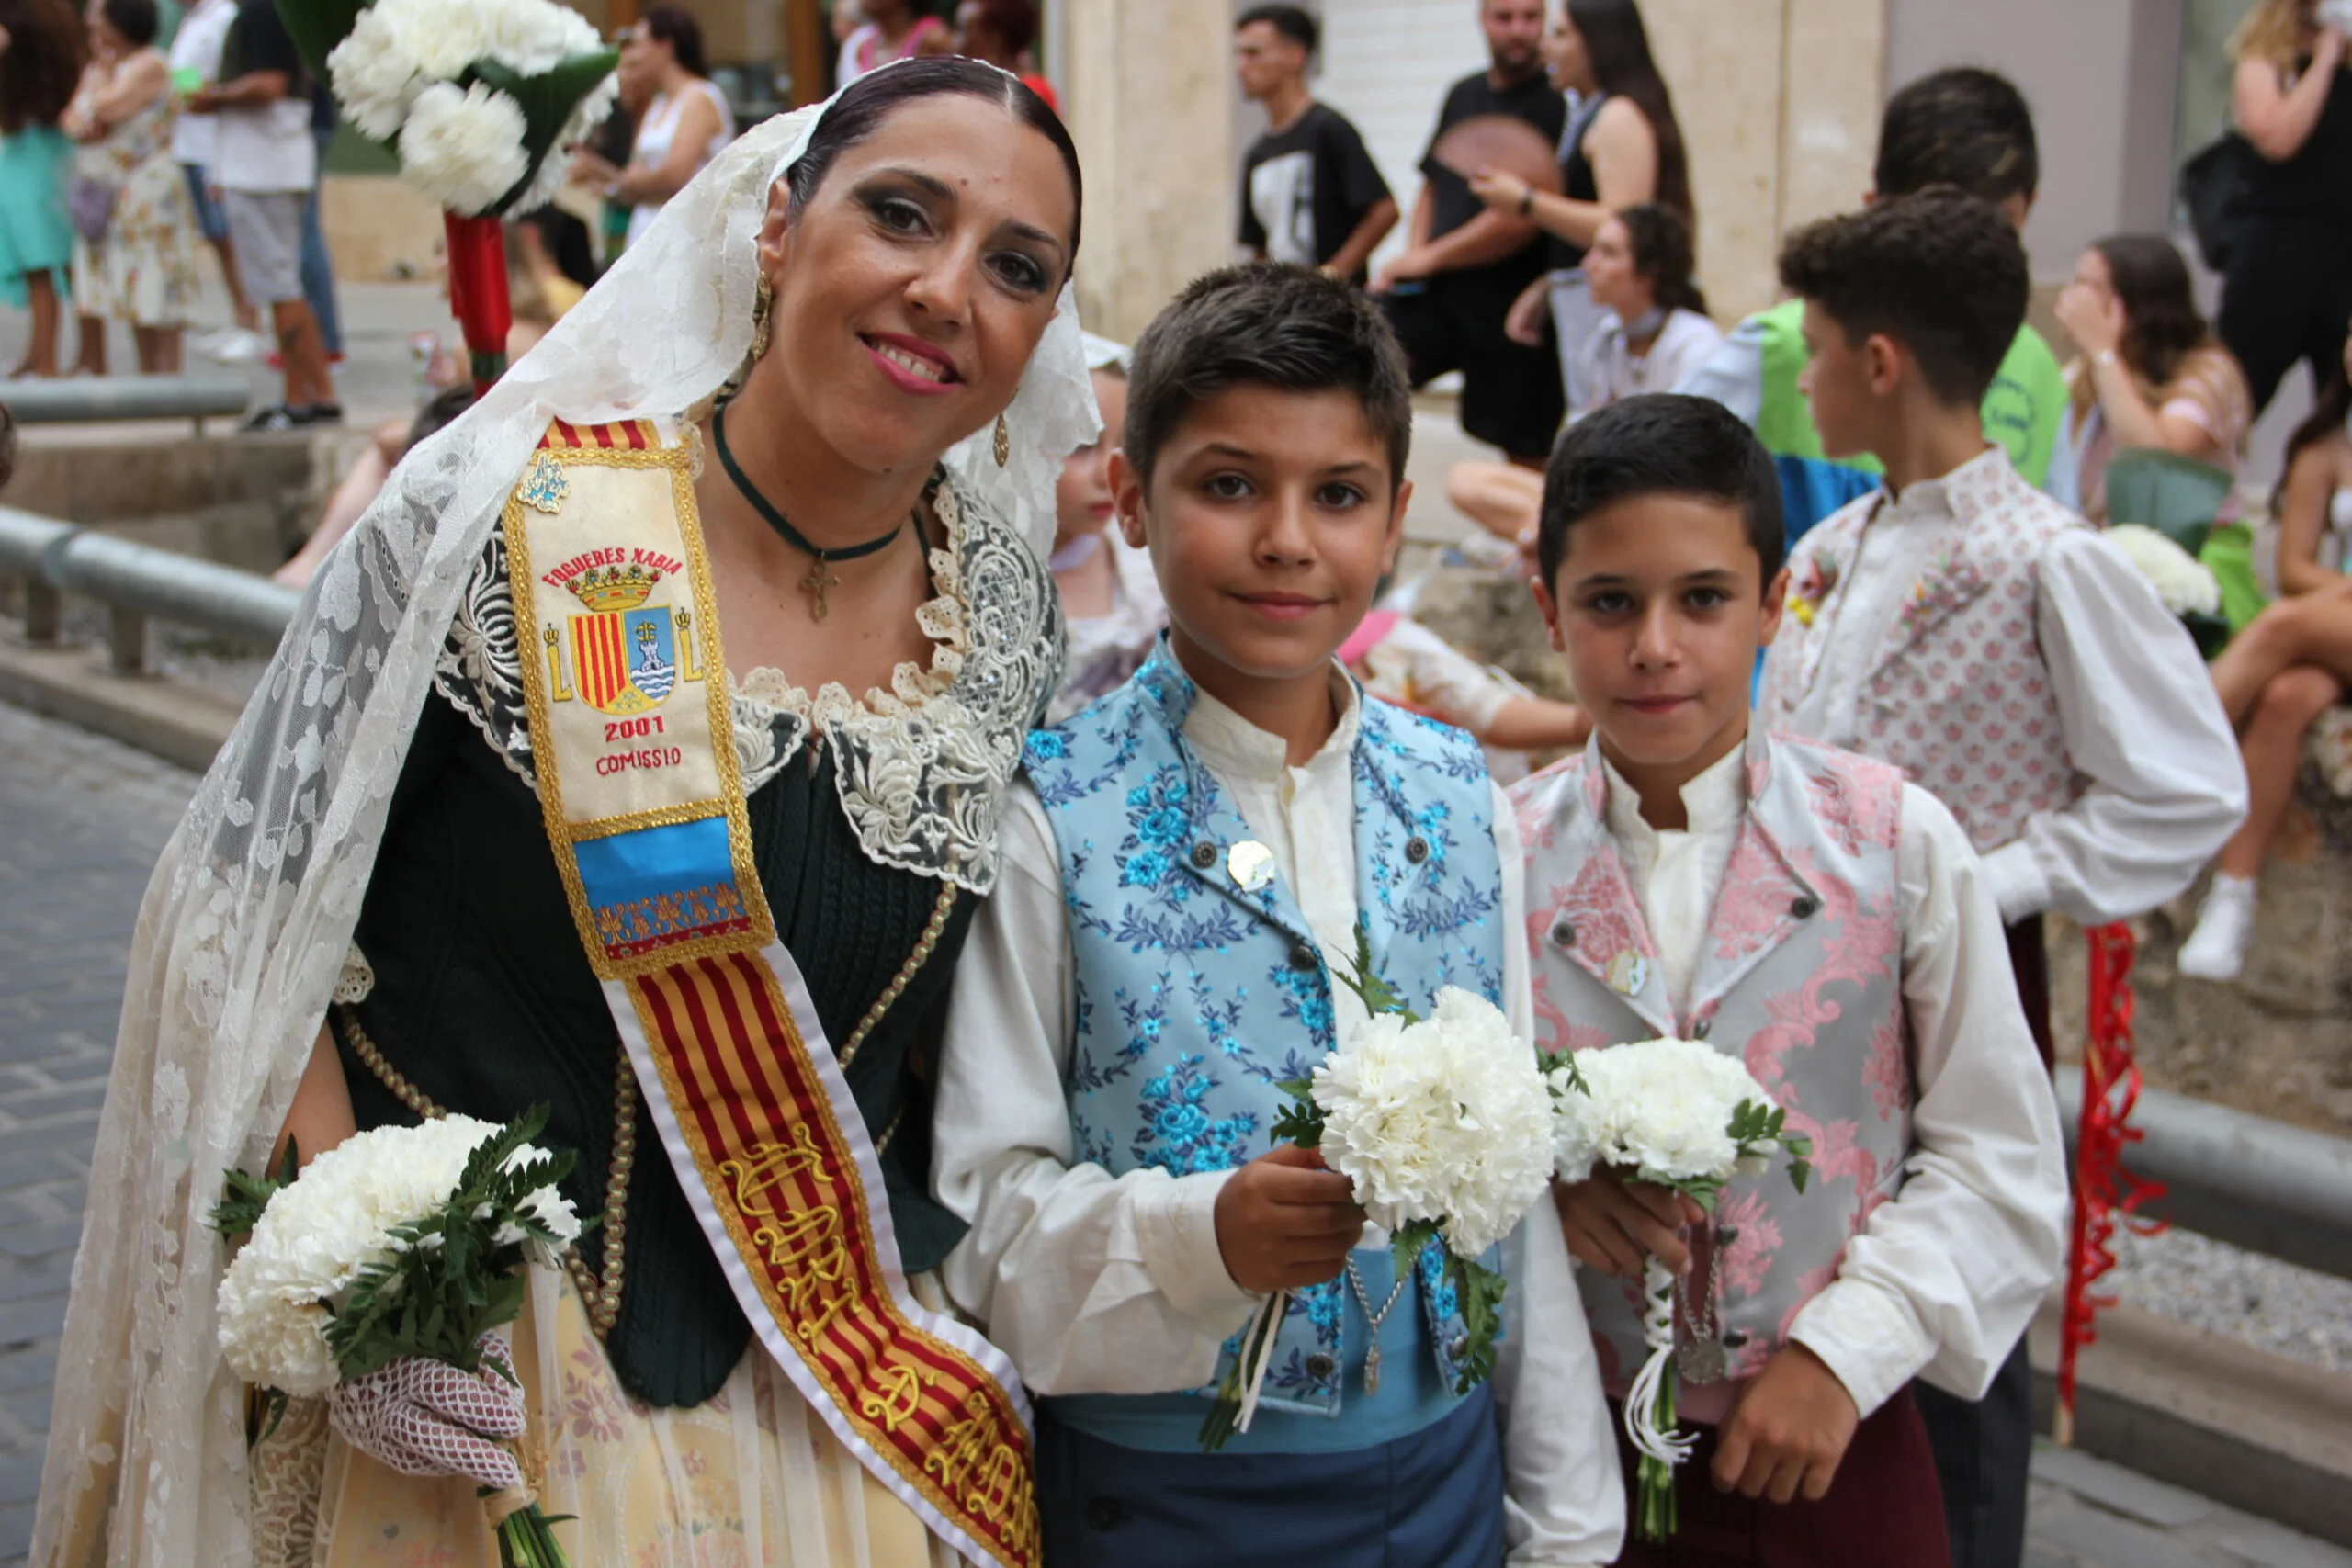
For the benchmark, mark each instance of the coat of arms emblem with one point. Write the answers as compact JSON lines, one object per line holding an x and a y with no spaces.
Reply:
{"x":625,"y":654}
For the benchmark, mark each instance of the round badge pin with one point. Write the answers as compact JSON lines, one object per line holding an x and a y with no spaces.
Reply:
{"x":1252,"y":866}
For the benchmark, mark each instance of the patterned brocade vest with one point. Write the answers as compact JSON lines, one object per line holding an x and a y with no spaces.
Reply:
{"x":1801,"y":979}
{"x":1958,"y":696}
{"x":1195,"y":995}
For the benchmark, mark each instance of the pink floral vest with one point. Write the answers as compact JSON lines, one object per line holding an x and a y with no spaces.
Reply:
{"x":1959,"y":697}
{"x":1802,"y":977}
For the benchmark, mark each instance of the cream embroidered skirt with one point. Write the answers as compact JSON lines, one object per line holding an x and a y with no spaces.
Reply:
{"x":752,"y":1477}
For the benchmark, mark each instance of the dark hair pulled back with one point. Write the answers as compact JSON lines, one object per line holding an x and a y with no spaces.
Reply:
{"x":859,"y":112}
{"x":137,"y":20}
{"x":2162,"y":324}
{"x":1661,"y":245}
{"x":677,"y":26}
{"x":1618,"y":47}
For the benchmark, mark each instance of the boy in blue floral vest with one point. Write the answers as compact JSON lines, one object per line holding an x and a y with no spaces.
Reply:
{"x":1187,"y":868}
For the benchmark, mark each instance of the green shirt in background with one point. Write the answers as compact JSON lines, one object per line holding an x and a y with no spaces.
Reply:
{"x":2021,"y":412}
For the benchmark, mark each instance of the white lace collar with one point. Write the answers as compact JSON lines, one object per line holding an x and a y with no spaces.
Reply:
{"x":921,"y":768}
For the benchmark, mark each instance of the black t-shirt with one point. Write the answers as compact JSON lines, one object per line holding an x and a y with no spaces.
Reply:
{"x":1304,"y":190}
{"x":257,"y":41}
{"x":1535,"y":101}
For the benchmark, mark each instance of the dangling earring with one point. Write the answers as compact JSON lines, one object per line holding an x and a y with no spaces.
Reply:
{"x":1003,"y":441}
{"x":762,"y":303}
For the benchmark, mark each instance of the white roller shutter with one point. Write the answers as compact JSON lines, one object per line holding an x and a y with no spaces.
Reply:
{"x":1386,"y":64}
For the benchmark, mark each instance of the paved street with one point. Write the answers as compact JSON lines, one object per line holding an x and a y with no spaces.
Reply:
{"x":87,"y":819}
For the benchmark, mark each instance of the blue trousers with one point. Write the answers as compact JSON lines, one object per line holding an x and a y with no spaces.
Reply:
{"x":1434,"y":1499}
{"x":318,"y":268}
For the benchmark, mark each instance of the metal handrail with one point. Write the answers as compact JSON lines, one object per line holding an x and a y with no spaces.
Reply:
{"x":97,"y":399}
{"x":135,"y":582}
{"x":2246,"y":1180}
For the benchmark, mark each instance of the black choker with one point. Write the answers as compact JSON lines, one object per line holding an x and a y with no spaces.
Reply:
{"x":819,"y":579}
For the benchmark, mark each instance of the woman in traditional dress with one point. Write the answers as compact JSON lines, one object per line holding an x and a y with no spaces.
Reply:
{"x":882,"y":286}
{"x":138,"y":265}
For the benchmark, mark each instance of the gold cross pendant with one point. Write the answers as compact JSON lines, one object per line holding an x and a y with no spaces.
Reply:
{"x":816,"y":582}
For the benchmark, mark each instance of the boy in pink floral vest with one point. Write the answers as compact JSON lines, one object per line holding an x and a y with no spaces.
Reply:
{"x":1811,"y":913}
{"x":1964,"y":628}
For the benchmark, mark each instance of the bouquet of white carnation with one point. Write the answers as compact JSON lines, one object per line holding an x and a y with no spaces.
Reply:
{"x":1685,"y":1116}
{"x":398,"y":1248}
{"x":478,"y":100}
{"x":1444,"y":1126}
{"x":475,"y":96}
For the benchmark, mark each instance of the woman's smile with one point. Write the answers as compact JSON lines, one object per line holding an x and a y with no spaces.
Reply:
{"x":912,"y":364}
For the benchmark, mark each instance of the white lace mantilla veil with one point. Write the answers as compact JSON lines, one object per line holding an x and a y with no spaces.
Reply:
{"x":242,"y":936}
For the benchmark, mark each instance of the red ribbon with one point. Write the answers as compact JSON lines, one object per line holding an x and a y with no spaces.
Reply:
{"x":2104,"y":1193}
{"x":478,"y":293}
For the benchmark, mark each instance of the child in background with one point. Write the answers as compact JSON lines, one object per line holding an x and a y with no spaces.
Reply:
{"x":1189,"y":865}
{"x":1962,"y":625}
{"x":1111,"y":602}
{"x":1402,"y":661}
{"x":1964,"y":126}
{"x":1809,"y":912}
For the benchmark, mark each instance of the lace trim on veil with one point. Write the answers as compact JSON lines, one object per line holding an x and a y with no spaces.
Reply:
{"x":922,"y":766}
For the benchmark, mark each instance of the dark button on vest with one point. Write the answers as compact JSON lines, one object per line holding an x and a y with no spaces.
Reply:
{"x":1564,"y":934}
{"x":1302,"y":958}
{"x":1804,"y":906}
{"x":1204,"y":855}
{"x":1417,"y":849}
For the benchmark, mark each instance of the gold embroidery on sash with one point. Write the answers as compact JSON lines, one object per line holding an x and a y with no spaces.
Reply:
{"x":919,"y":1405}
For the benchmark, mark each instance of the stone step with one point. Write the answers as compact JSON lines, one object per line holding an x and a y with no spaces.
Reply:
{"x":2202,"y":1411}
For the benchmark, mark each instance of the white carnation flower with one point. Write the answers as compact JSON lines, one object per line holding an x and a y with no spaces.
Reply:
{"x":316,"y":1236}
{"x":2185,"y":584}
{"x":533,"y":37}
{"x":440,"y":38}
{"x":1660,"y":1107}
{"x":463,"y":150}
{"x":1443,"y":1119}
{"x":375,"y":79}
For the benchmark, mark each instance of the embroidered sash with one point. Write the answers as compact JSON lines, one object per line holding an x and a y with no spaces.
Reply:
{"x":633,"y":746}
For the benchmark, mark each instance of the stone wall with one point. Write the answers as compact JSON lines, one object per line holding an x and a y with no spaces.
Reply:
{"x":1151,"y":105}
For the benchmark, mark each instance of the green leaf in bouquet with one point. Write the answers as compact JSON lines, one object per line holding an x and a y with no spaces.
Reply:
{"x":1550,"y":1062}
{"x":317,"y":26}
{"x":1478,"y":1294}
{"x":547,"y":101}
{"x":1406,"y":1246}
{"x":1300,"y":1122}
{"x":243,"y":1197}
{"x":1376,"y":994}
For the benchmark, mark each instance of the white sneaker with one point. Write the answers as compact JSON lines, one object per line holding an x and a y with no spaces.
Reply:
{"x":2216,"y":949}
{"x":239,"y":346}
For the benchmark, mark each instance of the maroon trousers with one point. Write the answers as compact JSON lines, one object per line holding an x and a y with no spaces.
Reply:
{"x":2030,"y":958}
{"x":1883,"y":1510}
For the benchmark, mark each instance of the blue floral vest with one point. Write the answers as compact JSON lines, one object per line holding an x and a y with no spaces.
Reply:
{"x":1194,"y":998}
